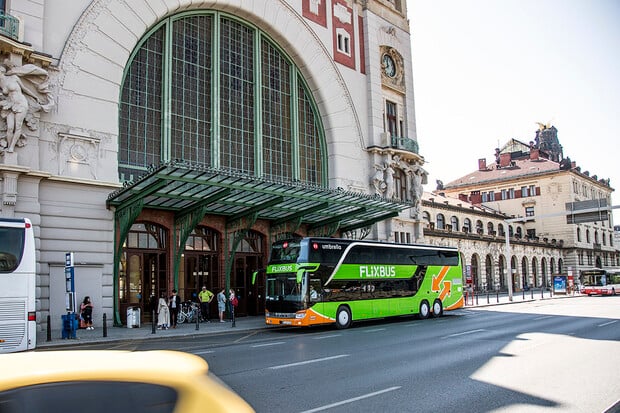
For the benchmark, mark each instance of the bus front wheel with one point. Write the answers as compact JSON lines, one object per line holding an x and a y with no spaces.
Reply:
{"x":424,"y":310}
{"x":343,"y":317}
{"x":437,"y":308}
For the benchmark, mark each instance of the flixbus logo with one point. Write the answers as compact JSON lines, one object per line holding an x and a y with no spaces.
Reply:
{"x":377,"y":271}
{"x":282,"y":268}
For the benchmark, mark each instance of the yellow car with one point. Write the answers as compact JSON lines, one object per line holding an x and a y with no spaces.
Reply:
{"x":110,"y":381}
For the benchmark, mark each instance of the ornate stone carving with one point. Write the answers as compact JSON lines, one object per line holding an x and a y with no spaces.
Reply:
{"x":24,"y":94}
{"x":79,"y":150}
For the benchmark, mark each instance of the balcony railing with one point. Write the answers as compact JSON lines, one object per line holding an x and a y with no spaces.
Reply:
{"x":9,"y":26}
{"x":400,"y":142}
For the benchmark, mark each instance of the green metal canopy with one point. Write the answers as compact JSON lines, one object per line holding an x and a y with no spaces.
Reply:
{"x":181,"y":187}
{"x":192,"y":191}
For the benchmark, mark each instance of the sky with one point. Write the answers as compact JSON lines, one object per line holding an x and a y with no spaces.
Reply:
{"x":486,"y":71}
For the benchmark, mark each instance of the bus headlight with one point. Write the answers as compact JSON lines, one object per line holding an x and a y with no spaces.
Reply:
{"x":300,"y":314}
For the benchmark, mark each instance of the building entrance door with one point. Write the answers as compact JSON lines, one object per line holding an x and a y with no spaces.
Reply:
{"x":143,"y":282}
{"x":250,"y":296}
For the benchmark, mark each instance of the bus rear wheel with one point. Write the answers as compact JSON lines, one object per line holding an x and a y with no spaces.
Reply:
{"x":424,"y":310}
{"x":343,"y":317}
{"x":437,"y":308}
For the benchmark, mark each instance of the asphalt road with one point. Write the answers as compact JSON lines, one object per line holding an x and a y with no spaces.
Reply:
{"x":545,"y":356}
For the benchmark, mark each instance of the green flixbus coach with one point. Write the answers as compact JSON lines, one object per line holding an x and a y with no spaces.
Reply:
{"x":313,"y":281}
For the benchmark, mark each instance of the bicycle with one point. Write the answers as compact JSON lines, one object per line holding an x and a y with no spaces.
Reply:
{"x":189,"y":312}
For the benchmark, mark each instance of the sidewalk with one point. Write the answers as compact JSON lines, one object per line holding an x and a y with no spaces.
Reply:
{"x":145,"y":331}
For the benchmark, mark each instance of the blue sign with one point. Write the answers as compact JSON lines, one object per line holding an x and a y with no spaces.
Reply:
{"x":559,"y":284}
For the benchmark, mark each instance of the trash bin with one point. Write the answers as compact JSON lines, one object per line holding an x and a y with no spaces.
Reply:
{"x":133,"y":317}
{"x":69,"y":325}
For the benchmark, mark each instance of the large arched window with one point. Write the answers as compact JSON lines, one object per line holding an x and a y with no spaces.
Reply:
{"x":441,"y":221}
{"x":466,"y":225}
{"x":454,"y":221}
{"x":210,"y":89}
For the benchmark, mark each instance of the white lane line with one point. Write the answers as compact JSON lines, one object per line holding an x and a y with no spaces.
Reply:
{"x":268,"y":344}
{"x":330,"y":336}
{"x":464,"y":333}
{"x":301,"y":363}
{"x":543,"y":317}
{"x":374,"y":330}
{"x":354,"y":399}
{"x":202,"y":352}
{"x":608,"y":323}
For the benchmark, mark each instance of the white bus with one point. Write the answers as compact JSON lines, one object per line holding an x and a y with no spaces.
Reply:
{"x":18,"y":323}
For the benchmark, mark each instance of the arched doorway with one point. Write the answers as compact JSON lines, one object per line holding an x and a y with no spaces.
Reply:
{"x":475,"y":268}
{"x":502,"y":272}
{"x":248,"y":259}
{"x":489,"y":284}
{"x":524,"y":272}
{"x":200,"y":265}
{"x":143,"y":269}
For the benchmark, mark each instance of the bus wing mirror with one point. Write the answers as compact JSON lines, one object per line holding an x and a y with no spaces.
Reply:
{"x":300,"y":274}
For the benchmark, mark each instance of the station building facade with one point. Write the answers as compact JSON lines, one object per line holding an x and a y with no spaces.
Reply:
{"x":168,"y":143}
{"x":533,"y":185}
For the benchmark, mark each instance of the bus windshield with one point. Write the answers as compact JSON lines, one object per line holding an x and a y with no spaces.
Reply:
{"x":285,"y":252}
{"x":11,"y":248}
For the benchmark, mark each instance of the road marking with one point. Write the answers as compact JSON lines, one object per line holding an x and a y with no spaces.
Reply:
{"x":246,"y":336}
{"x":301,"y":363}
{"x":268,"y":344}
{"x":464,"y":333}
{"x":374,"y":330}
{"x":542,"y":318}
{"x":608,"y":323}
{"x":354,"y":399}
{"x":203,"y":352}
{"x":322,"y":337}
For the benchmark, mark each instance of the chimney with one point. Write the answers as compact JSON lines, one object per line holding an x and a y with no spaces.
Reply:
{"x":504,"y":160}
{"x":482,"y":164}
{"x":534,"y":154}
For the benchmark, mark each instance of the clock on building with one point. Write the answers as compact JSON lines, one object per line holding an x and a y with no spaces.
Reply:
{"x":389,"y":67}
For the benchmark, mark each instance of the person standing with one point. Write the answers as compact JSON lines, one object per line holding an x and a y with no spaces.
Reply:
{"x":205,"y":297}
{"x":175,"y":305}
{"x":221,"y":303}
{"x":234,"y":302}
{"x":86,"y":312}
{"x":163,"y":313}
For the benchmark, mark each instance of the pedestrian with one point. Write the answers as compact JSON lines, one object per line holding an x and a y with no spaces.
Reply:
{"x":221,"y":303}
{"x":175,"y":306}
{"x":163,"y":313}
{"x":86,"y":313}
{"x":232,"y":298}
{"x":234,"y":302}
{"x":205,"y":297}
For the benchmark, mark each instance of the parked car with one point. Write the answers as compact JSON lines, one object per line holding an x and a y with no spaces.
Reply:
{"x":103,"y":381}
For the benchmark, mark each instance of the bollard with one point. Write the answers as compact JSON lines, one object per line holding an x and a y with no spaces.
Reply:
{"x":49,"y":328}
{"x":532,"y":292}
{"x":105,"y":325}
{"x":476,"y":294}
{"x":497,"y":294}
{"x":487,"y":296}
{"x":197,"y":322}
{"x":153,"y":323}
{"x":542,"y":292}
{"x":523,"y":290}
